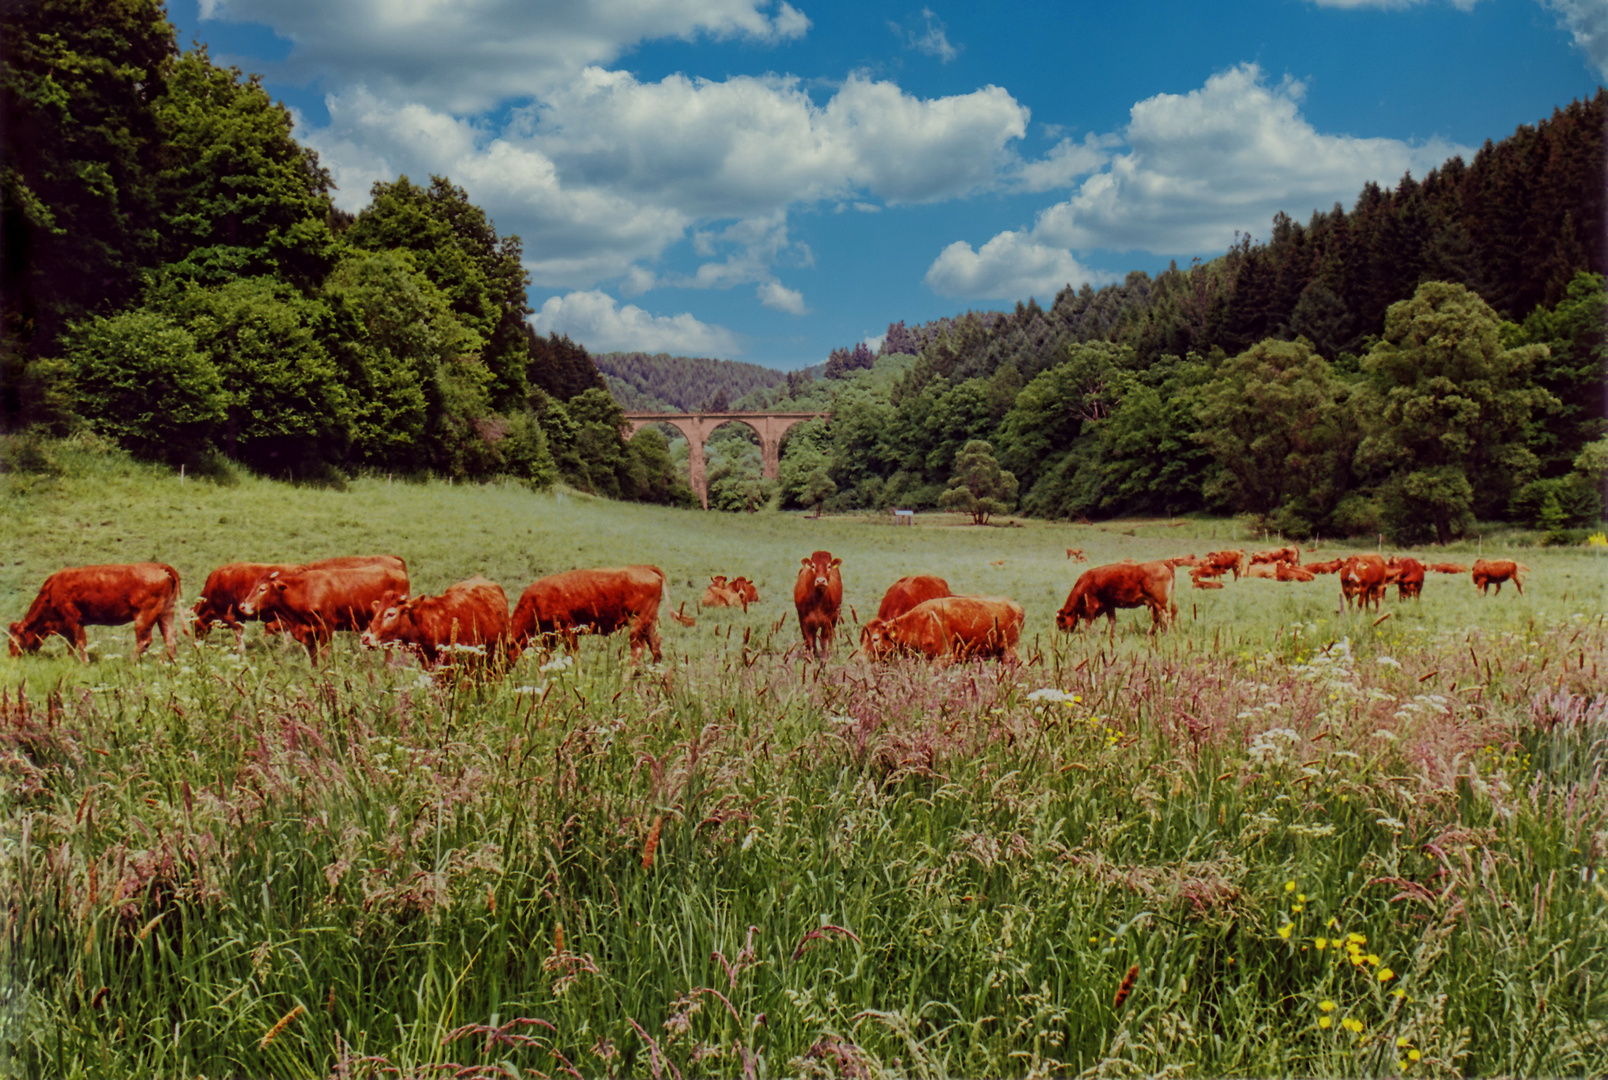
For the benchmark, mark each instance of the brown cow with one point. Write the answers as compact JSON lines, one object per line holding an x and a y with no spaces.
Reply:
{"x":1283,"y":571}
{"x":80,"y":596}
{"x":1263,"y":570}
{"x":1204,"y":583}
{"x":747,"y":590}
{"x":1446,"y":568}
{"x":818,"y":595}
{"x":1103,"y":589}
{"x":314,"y":602}
{"x":720,"y":594}
{"x":909,"y":591}
{"x":1329,"y":566}
{"x":233,"y":582}
{"x":1362,"y":578}
{"x":1221,"y":562}
{"x":1290,"y":555}
{"x":948,"y":627}
{"x":596,"y":601}
{"x":1076,"y":554}
{"x":1407,"y":574}
{"x":1488,"y":572}
{"x":472,"y":614}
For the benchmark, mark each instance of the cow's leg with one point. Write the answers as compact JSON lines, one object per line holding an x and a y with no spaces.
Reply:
{"x":1517,"y":584}
{"x":169,"y":638}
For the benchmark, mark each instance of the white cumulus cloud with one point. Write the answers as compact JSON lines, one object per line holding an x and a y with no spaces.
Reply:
{"x":1587,"y":23}
{"x":1010,"y":266}
{"x":775,"y":295}
{"x":598,"y":322}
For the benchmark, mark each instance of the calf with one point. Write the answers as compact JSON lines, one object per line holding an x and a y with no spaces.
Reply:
{"x":1103,"y":589}
{"x":1488,"y":572}
{"x":1407,"y":573}
{"x":747,"y":590}
{"x":593,"y":601}
{"x":472,"y":614}
{"x":818,"y":596}
{"x":1362,"y":578}
{"x":909,"y":591}
{"x":720,"y":594}
{"x":69,"y":600}
{"x":1283,"y":571}
{"x":313,"y":603}
{"x":950,"y":628}
{"x":1076,"y":554}
{"x":1221,"y":562}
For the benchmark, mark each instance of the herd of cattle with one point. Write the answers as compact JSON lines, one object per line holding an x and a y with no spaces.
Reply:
{"x":919,"y":615}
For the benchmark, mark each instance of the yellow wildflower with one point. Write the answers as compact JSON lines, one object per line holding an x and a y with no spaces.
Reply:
{"x":1322,"y":943}
{"x":1289,"y":886}
{"x":1385,"y":974}
{"x":1414,"y":1055}
{"x":1402,"y":1041}
{"x":1327,"y":1006}
{"x":1352,"y":1024}
{"x":1325,"y":1021}
{"x":1286,"y":930}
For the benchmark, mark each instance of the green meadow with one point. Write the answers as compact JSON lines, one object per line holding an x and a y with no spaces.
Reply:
{"x":1281,"y":839}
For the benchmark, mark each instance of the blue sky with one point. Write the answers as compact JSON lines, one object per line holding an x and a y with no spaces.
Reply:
{"x":766,"y":180}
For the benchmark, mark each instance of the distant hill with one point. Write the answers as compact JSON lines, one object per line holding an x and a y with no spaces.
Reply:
{"x":661,"y":382}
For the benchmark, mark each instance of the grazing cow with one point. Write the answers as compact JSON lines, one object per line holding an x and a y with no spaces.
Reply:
{"x":1076,"y":554}
{"x":314,"y":602}
{"x":1102,"y":589}
{"x":948,"y":627}
{"x":1446,"y":568}
{"x":720,"y":594}
{"x":599,"y":601}
{"x":1182,"y":560}
{"x":909,"y":591}
{"x":1407,"y":573}
{"x":747,"y":590}
{"x":80,"y":596}
{"x":1290,"y":555}
{"x":1362,"y":578}
{"x":1283,"y":571}
{"x":471,"y":614}
{"x":1221,"y":562}
{"x":1488,"y":572}
{"x":231,"y":583}
{"x":1329,"y":566}
{"x":818,"y":595}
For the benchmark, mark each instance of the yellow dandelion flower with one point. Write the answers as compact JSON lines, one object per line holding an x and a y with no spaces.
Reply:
{"x":1286,"y":930}
{"x":1301,"y":897}
{"x":1402,"y":1041}
{"x":1327,"y":1006}
{"x":1385,"y":974}
{"x":1352,"y":1024}
{"x":1373,"y":958}
{"x":1325,"y":1021}
{"x":1360,"y":939}
{"x":1414,"y":1055}
{"x":1289,"y":886}
{"x":1398,"y":992}
{"x":1297,"y":908}
{"x":1322,"y":943}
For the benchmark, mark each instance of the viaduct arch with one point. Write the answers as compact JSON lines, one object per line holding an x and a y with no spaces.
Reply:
{"x":697,"y":427}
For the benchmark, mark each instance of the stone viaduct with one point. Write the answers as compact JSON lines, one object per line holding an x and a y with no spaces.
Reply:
{"x":697,"y":427}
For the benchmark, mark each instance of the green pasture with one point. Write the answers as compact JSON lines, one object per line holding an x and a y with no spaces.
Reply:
{"x":1306,"y":841}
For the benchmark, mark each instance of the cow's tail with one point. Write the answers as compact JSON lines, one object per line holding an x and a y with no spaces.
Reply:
{"x":173,"y":576}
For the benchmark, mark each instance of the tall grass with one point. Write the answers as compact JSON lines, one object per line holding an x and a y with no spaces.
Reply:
{"x":1305,"y":841}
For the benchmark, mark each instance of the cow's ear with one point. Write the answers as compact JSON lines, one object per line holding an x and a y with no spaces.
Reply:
{"x":805,"y":561}
{"x":837,"y":562}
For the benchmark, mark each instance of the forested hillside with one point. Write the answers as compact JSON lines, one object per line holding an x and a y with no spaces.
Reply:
{"x":1297,"y":380}
{"x":682,"y":383}
{"x":177,"y":279}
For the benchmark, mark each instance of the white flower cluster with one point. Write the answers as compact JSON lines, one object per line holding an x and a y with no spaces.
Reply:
{"x":1423,"y":705}
{"x":1049,"y":693}
{"x":1273,"y":746}
{"x":562,"y":662}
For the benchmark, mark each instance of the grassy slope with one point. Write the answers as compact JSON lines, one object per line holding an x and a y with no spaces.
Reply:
{"x":941,"y":874}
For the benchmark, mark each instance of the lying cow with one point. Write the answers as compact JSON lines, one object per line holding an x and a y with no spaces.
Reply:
{"x":1362,"y":578}
{"x":231,"y":583}
{"x":1290,"y":555}
{"x":1284,"y":571}
{"x":313,"y":603}
{"x":818,"y":596}
{"x":69,"y":600}
{"x":1263,"y":570}
{"x":1328,"y":566}
{"x":747,"y":590}
{"x":1446,"y":568}
{"x":909,"y":591}
{"x":1407,"y":574}
{"x":720,"y":594}
{"x":471,"y":615}
{"x":948,"y":628}
{"x":1487,"y":572}
{"x":1221,"y":562}
{"x":1103,"y":589}
{"x":595,"y":601}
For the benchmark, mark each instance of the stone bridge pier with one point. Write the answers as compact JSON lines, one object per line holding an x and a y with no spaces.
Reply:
{"x":697,"y":427}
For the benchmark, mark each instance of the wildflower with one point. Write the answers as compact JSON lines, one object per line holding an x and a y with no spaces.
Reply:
{"x":1352,"y":1024}
{"x":1385,"y":974}
{"x":1286,"y":930}
{"x":1325,"y":1021}
{"x":1356,"y":938}
{"x":1322,"y":943}
{"x":1401,"y":1042}
{"x":1327,"y":1006}
{"x":1289,"y":886}
{"x":1373,"y":958}
{"x":1414,"y":1055}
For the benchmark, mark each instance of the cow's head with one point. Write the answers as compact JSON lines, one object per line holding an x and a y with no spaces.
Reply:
{"x":392,"y":615}
{"x":23,"y":639}
{"x":204,"y":617}
{"x":268,"y":590}
{"x":818,"y":569}
{"x":876,"y":639}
